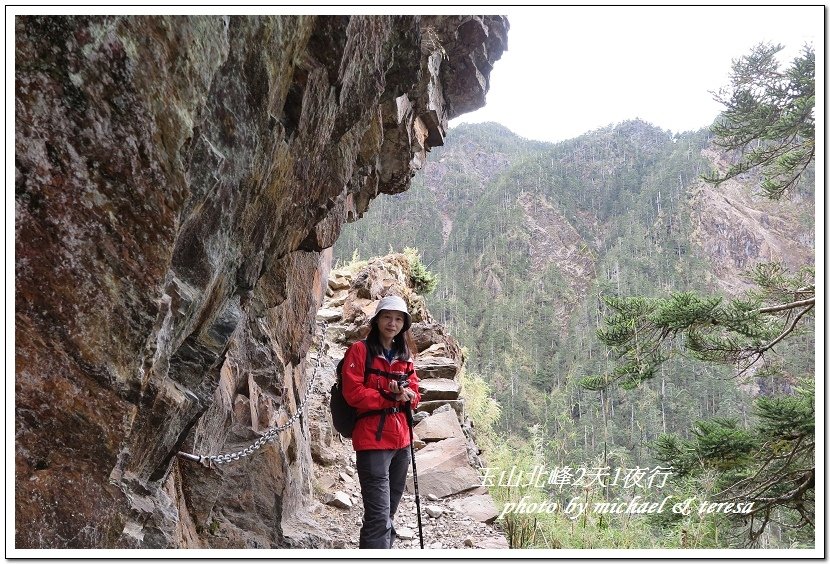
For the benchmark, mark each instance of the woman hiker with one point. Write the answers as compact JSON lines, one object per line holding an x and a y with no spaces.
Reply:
{"x":381,"y":440}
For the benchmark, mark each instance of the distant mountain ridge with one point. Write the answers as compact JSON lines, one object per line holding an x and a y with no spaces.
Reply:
{"x":585,"y":183}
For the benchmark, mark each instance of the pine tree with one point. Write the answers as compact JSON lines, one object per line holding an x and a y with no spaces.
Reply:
{"x":770,"y":466}
{"x":644,"y":332}
{"x":769,"y":119}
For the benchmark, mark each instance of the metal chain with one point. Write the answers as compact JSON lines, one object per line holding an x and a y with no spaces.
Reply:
{"x":272,"y":432}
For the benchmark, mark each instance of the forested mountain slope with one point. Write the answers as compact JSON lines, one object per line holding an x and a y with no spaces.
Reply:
{"x":526,"y":236}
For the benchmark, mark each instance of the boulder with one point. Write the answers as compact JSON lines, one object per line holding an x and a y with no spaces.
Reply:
{"x":337,"y":299}
{"x":443,"y":469}
{"x":339,"y":499}
{"x":482,"y":508}
{"x":437,"y":349}
{"x":439,"y":426}
{"x":329,"y":314}
{"x":430,"y":406}
{"x":358,"y":310}
{"x":419,"y":416}
{"x":368,"y":283}
{"x":429,"y":334}
{"x":339,"y":281}
{"x":434,"y":511}
{"x":436,"y":367}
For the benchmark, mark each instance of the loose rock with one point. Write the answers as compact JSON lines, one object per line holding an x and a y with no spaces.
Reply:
{"x":434,"y":510}
{"x":340,"y":499}
{"x":479,"y":507}
{"x":405,"y":533}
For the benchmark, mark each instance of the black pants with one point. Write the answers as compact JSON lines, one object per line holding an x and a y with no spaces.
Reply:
{"x":382,"y":475}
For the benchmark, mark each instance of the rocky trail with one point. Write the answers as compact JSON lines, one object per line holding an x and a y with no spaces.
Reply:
{"x":456,"y":511}
{"x":448,"y":522}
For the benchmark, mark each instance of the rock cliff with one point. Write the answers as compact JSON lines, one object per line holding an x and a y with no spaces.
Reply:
{"x":179,"y":181}
{"x":736,"y":227}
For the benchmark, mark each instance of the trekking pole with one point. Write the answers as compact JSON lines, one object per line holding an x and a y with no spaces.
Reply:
{"x":411,"y":421}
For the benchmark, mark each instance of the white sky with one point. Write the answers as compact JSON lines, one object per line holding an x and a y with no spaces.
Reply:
{"x":570,"y":70}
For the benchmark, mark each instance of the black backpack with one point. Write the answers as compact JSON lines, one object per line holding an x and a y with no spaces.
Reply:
{"x":343,"y":415}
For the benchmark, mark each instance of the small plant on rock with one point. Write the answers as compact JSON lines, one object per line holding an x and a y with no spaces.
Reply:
{"x":423,"y":281}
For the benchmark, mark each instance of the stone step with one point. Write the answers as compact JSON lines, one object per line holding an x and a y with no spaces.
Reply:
{"x":430,"y":406}
{"x":439,"y":426}
{"x":439,"y":389}
{"x":436,"y":367}
{"x":443,"y":469}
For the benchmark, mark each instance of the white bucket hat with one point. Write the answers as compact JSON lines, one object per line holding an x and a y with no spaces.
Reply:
{"x":394,"y":303}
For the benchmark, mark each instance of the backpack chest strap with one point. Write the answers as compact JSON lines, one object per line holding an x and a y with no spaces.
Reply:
{"x":391,"y":375}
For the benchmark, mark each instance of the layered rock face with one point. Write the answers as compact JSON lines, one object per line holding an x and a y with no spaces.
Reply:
{"x":178,"y":181}
{"x":736,"y":228}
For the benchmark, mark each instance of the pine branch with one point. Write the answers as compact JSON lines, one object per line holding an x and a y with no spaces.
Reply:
{"x":787,"y":331}
{"x":792,"y":305}
{"x":808,"y":478}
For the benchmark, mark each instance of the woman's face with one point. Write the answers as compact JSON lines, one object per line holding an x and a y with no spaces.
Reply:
{"x":390,"y":323}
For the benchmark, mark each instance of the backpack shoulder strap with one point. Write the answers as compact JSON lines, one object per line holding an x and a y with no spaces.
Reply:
{"x":367,"y":369}
{"x":367,"y":364}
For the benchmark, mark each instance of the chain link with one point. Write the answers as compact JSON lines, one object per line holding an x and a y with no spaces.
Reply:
{"x":272,"y":432}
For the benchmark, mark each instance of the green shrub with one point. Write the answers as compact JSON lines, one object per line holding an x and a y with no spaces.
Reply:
{"x":423,"y":281}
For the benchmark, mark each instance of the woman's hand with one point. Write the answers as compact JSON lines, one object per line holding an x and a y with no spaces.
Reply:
{"x":401,"y":394}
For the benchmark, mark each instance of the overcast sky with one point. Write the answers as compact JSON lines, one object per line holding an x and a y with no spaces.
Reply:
{"x":569,"y":70}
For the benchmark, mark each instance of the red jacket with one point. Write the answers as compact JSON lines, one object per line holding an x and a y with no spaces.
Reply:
{"x":368,"y":397}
